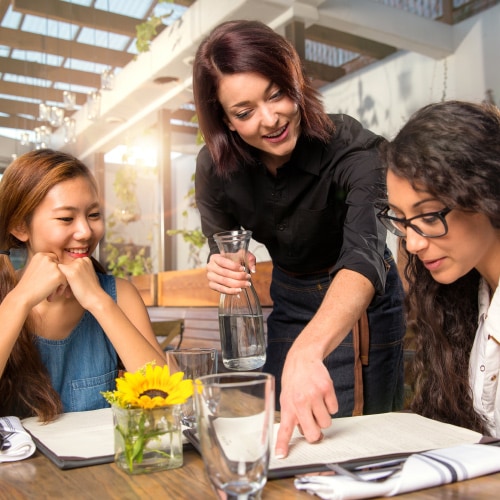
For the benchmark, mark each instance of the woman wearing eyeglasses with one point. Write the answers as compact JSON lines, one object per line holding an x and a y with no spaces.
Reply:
{"x":443,"y":186}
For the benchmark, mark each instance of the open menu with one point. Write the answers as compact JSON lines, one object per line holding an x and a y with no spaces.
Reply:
{"x":75,"y":439}
{"x":364,"y":438}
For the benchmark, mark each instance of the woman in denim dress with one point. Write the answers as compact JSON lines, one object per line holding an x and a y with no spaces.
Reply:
{"x":66,"y":326}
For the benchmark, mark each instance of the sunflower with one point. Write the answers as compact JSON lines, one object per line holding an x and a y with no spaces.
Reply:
{"x":150,"y":387}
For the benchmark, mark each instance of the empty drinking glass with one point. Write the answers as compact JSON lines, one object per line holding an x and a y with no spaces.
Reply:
{"x":235,"y":426}
{"x":194,"y":363}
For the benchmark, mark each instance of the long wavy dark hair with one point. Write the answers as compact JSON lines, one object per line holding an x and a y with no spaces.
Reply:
{"x":25,"y":386}
{"x":452,"y":149}
{"x":250,"y":47}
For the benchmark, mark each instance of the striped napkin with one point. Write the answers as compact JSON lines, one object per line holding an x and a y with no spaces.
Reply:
{"x":15,"y":442}
{"x":421,"y":470}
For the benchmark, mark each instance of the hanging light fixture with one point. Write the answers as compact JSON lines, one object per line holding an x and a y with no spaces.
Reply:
{"x":108,"y":79}
{"x":25,"y":139}
{"x":42,"y":137}
{"x":43,"y":112}
{"x":94,"y":105}
{"x":69,"y":99}
{"x":69,"y":130}
{"x":108,"y":75}
{"x":37,"y":133}
{"x":56,"y":116}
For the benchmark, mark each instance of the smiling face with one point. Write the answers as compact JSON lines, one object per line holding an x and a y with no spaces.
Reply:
{"x":261,"y":114}
{"x":68,"y":222}
{"x":471,"y":241}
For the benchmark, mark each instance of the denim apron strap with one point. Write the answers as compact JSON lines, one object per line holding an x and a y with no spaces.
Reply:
{"x":361,"y":344}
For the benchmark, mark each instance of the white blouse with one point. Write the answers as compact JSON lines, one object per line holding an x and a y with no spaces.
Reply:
{"x":484,"y":363}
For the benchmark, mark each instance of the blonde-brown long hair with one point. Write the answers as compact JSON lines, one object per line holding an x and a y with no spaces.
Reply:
{"x":25,"y":386}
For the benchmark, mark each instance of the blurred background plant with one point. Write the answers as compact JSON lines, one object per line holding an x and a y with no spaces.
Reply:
{"x":123,"y":258}
{"x":147,"y":30}
{"x":193,"y":237}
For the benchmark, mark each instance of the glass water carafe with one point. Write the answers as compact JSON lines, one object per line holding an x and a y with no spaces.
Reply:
{"x":240,"y":316}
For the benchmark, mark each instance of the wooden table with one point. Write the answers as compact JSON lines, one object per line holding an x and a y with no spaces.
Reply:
{"x":38,"y":478}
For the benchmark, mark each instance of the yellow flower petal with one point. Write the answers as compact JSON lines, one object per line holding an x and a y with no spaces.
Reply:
{"x":145,"y":388}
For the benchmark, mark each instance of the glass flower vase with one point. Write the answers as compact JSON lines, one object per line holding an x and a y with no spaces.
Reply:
{"x":148,"y":440}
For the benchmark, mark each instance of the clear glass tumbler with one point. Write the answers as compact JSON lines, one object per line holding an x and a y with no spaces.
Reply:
{"x":241,"y":322}
{"x":194,"y":362}
{"x":235,"y":425}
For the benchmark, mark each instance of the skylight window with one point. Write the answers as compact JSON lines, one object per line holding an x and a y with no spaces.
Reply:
{"x":131,"y":8}
{"x":26,"y":80}
{"x":88,"y":66}
{"x":19,"y":98}
{"x":103,"y":39}
{"x":38,"y":57}
{"x":84,"y":3}
{"x":49,"y":27}
{"x":82,"y":89}
{"x":11,"y":19}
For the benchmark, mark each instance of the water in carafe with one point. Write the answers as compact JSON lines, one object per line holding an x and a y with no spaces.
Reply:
{"x":241,"y":322}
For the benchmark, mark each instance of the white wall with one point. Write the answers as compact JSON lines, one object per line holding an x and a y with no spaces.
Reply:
{"x":384,"y":95}
{"x":183,"y":169}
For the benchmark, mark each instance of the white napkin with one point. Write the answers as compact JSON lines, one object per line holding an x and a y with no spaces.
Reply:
{"x":17,"y":443}
{"x":420,"y":471}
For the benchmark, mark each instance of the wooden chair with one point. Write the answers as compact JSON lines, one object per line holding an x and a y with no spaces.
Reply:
{"x":166,"y":331}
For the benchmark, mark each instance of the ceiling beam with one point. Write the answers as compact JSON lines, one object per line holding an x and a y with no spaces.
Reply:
{"x":83,"y":16}
{"x":79,"y":15}
{"x":295,"y":33}
{"x":348,"y":41}
{"x":23,"y":123}
{"x":12,"y":107}
{"x":323,"y":72}
{"x":52,"y":73}
{"x":184,"y":3}
{"x":50,"y":45}
{"x":186,"y":115}
{"x":4,"y":5}
{"x":16,"y":107}
{"x":36,"y":92}
{"x":18,"y":122}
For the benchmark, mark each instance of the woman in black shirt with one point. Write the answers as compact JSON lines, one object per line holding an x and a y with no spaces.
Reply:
{"x":305,"y":184}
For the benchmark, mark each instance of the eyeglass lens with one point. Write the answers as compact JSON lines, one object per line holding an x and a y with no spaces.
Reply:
{"x":432,"y":224}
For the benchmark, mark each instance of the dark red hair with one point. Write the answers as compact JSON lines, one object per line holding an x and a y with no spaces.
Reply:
{"x":250,"y":47}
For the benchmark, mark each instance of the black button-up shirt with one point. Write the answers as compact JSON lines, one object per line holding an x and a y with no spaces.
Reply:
{"x":316,"y":213}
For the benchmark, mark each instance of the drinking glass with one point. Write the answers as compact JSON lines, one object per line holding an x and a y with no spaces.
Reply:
{"x":235,"y":413}
{"x":194,"y":363}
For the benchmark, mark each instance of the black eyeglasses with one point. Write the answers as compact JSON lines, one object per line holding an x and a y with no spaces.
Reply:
{"x":430,"y":225}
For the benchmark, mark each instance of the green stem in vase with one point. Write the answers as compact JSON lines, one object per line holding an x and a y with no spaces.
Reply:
{"x":136,"y":441}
